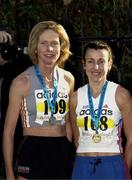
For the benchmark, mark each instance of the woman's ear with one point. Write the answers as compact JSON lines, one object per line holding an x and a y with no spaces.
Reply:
{"x":110,"y":64}
{"x":84,"y":64}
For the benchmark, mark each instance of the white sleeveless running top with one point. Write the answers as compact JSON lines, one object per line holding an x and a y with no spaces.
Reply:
{"x":109,"y":126}
{"x":35,"y":110}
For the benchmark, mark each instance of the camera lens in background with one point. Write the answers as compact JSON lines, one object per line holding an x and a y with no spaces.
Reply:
{"x":8,"y":52}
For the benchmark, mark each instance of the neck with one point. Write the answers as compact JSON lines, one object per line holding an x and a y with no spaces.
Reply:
{"x":48,"y":78}
{"x":96,"y":88}
{"x":47,"y":72}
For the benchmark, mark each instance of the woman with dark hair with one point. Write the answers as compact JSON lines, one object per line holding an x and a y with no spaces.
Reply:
{"x":97,"y":111}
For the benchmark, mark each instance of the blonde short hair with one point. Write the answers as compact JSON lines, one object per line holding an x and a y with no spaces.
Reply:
{"x":38,"y":29}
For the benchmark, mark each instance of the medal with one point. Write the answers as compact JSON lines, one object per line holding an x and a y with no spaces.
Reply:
{"x":96,"y":138}
{"x":52,"y":120}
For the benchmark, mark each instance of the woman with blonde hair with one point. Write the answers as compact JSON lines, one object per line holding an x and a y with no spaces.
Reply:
{"x":41,"y":95}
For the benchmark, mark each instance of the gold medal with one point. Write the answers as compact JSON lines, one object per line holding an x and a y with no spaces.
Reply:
{"x":96,"y":138}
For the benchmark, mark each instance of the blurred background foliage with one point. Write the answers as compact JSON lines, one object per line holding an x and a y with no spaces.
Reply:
{"x":84,"y":20}
{"x":88,"y":17}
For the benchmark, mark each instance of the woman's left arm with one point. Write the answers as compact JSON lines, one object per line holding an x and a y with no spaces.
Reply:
{"x":70,"y":79}
{"x":124,"y":101}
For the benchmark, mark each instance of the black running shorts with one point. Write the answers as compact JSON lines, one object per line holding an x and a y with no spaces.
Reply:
{"x":45,"y":158}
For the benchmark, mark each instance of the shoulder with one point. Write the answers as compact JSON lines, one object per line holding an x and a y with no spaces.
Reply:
{"x":21,"y":83}
{"x":22,"y":78}
{"x":81,"y":89}
{"x":67,"y":74}
{"x":112,"y":85}
{"x":123,"y":96}
{"x":122,"y":93}
{"x":69,"y":78}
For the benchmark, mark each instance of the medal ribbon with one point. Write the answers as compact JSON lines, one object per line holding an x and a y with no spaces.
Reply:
{"x":45,"y":89}
{"x":96,"y":118}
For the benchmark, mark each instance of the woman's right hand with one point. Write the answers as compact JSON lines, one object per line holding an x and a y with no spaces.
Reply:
{"x":5,"y":37}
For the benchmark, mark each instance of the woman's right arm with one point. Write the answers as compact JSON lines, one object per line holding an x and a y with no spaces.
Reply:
{"x":15,"y":99}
